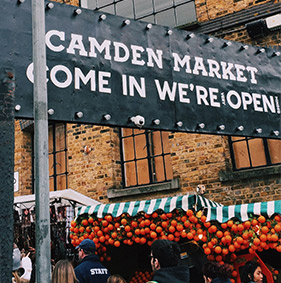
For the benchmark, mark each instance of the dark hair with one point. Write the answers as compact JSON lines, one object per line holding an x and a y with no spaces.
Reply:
{"x":167,"y":252}
{"x":248,"y":271}
{"x":213,"y":269}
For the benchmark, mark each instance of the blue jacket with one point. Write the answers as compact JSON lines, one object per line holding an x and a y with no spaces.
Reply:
{"x":90,"y":270}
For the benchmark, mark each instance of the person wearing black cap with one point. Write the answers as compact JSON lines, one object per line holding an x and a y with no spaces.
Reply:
{"x":90,"y":269}
{"x":166,"y":263}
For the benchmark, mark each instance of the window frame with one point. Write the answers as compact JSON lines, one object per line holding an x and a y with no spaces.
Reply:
{"x":150,"y":158}
{"x":247,"y":139}
{"x":145,"y":16}
{"x":55,"y":152}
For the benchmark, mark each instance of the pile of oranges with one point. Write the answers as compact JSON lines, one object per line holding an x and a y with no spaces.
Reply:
{"x":220,"y":241}
{"x":141,"y":276}
{"x":256,"y":234}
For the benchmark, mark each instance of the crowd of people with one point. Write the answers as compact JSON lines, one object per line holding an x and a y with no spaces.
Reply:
{"x":165,"y":261}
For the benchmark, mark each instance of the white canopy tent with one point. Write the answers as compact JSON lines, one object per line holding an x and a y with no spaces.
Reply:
{"x":64,"y":197}
{"x":63,"y":200}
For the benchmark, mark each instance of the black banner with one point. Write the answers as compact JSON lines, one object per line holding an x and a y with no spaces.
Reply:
{"x":108,"y":70}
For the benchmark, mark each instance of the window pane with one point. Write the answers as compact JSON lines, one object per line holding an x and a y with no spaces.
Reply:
{"x":102,"y":3}
{"x":60,"y":162}
{"x":108,"y":9}
{"x":168,"y":167}
{"x":138,"y":132}
{"x":140,"y":145}
{"x":51,"y":164}
{"x":127,"y":132}
{"x":149,"y":19}
{"x":159,"y":169}
{"x":162,"y":4}
{"x":61,"y":182}
{"x":90,"y":4}
{"x":50,"y":138}
{"x":166,"y":18}
{"x":165,"y":141}
{"x":274,"y":147}
{"x":143,"y":8}
{"x":130,"y":173}
{"x":125,"y":8}
{"x":257,"y":152}
{"x":143,"y":173}
{"x":51,"y":183}
{"x":237,"y":138}
{"x":60,"y":137}
{"x":128,"y":149}
{"x":186,"y":14}
{"x":181,"y":1}
{"x":157,"y":147}
{"x":241,"y":154}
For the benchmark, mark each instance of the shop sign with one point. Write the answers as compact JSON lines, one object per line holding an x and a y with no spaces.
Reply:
{"x":108,"y":70}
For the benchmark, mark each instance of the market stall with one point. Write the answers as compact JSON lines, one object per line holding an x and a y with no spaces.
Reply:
{"x":126,"y":230}
{"x":123,"y":232}
{"x":62,"y":211}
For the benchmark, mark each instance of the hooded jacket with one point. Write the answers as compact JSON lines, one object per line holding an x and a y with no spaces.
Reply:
{"x":90,"y":270}
{"x":175,"y":274}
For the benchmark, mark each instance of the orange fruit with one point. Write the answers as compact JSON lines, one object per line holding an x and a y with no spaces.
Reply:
{"x":231,"y":248}
{"x":261,"y":219}
{"x":218,"y":249}
{"x":207,"y":251}
{"x":117,"y":244}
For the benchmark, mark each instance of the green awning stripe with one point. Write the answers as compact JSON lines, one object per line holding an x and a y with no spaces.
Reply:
{"x":243,"y":211}
{"x":147,"y":206}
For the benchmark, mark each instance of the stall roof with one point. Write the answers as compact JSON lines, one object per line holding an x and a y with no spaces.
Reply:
{"x":64,"y":196}
{"x":243,"y":211}
{"x":148,"y":206}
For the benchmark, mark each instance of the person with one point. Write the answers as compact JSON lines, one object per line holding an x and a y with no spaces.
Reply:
{"x":64,"y":272}
{"x":90,"y":269}
{"x":16,"y":257}
{"x":116,"y":278}
{"x":215,"y":272}
{"x":166,"y":263}
{"x":252,"y":272}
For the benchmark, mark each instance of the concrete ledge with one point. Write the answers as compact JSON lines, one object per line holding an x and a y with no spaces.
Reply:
{"x":251,"y":173}
{"x":167,"y":186}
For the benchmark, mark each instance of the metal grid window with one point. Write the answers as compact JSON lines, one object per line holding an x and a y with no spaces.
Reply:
{"x":173,"y":13}
{"x":247,"y":153}
{"x":57,"y":157}
{"x":145,"y":157}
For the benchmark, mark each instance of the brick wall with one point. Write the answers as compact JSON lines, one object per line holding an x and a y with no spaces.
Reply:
{"x":211,"y":9}
{"x":93,"y":173}
{"x":23,"y":159}
{"x":196,"y":159}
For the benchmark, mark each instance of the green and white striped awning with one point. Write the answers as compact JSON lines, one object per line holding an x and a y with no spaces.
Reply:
{"x":243,"y":211}
{"x":148,"y":206}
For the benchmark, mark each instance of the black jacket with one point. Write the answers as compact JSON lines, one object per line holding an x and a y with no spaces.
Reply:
{"x":90,"y":270}
{"x":221,"y":280}
{"x":175,"y":274}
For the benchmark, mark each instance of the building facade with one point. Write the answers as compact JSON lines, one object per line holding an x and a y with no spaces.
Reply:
{"x":110,"y":164}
